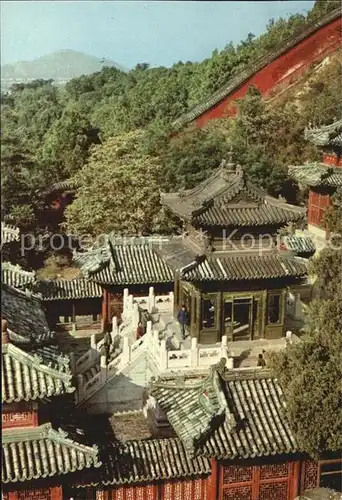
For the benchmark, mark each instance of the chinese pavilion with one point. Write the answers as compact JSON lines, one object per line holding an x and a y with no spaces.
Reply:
{"x":37,"y":455}
{"x":323,"y":178}
{"x":229,"y":270}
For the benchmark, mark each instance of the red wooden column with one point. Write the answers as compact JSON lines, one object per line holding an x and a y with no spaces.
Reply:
{"x":214,"y":479}
{"x":295,"y":479}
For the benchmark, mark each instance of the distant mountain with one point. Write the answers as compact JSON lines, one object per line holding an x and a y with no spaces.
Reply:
{"x":60,"y":66}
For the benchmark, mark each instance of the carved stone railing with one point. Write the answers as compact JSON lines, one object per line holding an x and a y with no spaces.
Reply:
{"x":165,"y":360}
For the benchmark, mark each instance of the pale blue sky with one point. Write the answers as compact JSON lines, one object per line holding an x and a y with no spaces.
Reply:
{"x":159,"y":33}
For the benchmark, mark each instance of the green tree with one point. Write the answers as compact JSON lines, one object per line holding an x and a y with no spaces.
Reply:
{"x":118,"y":190}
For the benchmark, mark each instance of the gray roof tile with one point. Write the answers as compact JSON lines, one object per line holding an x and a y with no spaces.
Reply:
{"x":246,"y":267}
{"x":317,"y":174}
{"x":40,"y":452}
{"x":147,"y":460}
{"x":61,"y":289}
{"x":25,"y":315}
{"x":327,"y":135}
{"x":9,"y":233}
{"x":123,"y":262}
{"x":27,"y":376}
{"x":16,"y":276}
{"x":252,"y":422}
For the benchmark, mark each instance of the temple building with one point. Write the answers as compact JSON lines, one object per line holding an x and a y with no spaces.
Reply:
{"x":324,"y":178}
{"x":230,"y":268}
{"x":38,"y":455}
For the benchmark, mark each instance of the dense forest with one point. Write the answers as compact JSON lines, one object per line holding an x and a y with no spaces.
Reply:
{"x":110,"y":133}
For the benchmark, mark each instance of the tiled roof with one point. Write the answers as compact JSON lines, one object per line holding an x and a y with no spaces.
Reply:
{"x":238,"y":79}
{"x":25,"y":376}
{"x":146,"y":460}
{"x":24,"y":314}
{"x":40,"y":452}
{"x":228,"y":199}
{"x":252,"y":423}
{"x":9,"y":233}
{"x":16,"y":276}
{"x":327,"y":135}
{"x":69,"y":185}
{"x":299,"y":244}
{"x":61,"y":289}
{"x":317,"y":174}
{"x":176,"y":253}
{"x":124,"y":263}
{"x":246,"y":267}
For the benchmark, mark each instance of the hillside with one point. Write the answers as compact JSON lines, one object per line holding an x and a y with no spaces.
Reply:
{"x":60,"y":66}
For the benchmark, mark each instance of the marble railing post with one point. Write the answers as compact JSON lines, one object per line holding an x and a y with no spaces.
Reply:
{"x":224,"y":347}
{"x":194,"y":352}
{"x":163,"y":355}
{"x":172,"y":300}
{"x":126,"y":351}
{"x":136,"y":316}
{"x":114,"y":325}
{"x":125,"y":299}
{"x":150,"y":302}
{"x":103,"y":368}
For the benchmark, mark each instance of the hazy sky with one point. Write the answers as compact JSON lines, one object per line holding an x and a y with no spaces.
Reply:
{"x":159,"y":33}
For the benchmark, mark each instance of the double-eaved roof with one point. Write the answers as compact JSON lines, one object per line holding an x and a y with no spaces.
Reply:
{"x":250,"y":421}
{"x":327,"y":135}
{"x":9,"y":233}
{"x":125,"y":262}
{"x":25,"y":315}
{"x":228,"y":199}
{"x":27,"y":376}
{"x":41,"y":452}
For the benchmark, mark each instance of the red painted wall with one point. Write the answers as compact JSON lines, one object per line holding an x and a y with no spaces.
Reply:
{"x":284,"y":70}
{"x":333,"y":160}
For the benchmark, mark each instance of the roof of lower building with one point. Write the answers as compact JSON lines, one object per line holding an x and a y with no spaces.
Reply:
{"x":242,"y":76}
{"x":25,"y":315}
{"x":228,"y":199}
{"x":250,"y":420}
{"x":62,"y":289}
{"x":27,"y":376}
{"x":327,"y":135}
{"x":125,"y":262}
{"x":9,"y":233}
{"x":41,"y":452}
{"x":317,"y":174}
{"x":15,"y":276}
{"x":67,"y":185}
{"x":245,"y":266}
{"x":146,"y":460}
{"x":299,"y":244}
